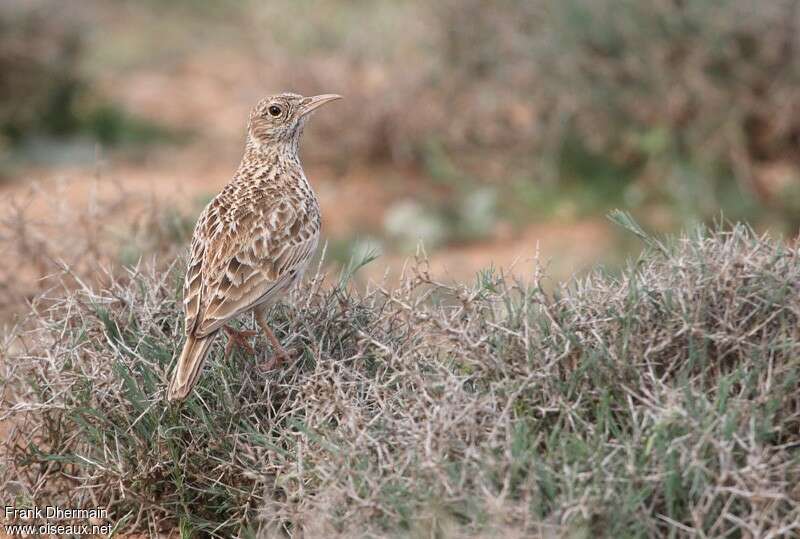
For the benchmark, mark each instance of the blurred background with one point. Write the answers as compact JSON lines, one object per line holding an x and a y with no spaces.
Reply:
{"x":494,"y":132}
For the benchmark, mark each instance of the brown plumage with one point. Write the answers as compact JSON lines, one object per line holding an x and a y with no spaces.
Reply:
{"x":254,"y":240}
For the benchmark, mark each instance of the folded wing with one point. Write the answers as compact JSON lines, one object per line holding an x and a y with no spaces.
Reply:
{"x":242,"y":260}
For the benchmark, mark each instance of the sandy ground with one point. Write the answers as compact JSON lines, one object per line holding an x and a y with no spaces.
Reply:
{"x":353,"y":204}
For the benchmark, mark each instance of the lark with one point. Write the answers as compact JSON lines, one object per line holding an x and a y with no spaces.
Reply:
{"x":253,"y":241}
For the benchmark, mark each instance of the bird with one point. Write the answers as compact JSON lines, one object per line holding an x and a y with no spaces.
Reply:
{"x":253,"y":241}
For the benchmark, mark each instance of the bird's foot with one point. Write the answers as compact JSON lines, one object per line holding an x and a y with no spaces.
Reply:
{"x":277,"y":360}
{"x":238,"y":338}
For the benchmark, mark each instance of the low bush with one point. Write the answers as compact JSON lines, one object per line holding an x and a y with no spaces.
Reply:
{"x":662,"y":400}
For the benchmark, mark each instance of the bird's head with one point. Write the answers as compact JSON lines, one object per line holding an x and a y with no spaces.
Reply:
{"x":279,"y":119}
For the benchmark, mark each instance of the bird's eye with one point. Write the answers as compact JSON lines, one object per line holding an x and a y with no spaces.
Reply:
{"x":274,"y":110}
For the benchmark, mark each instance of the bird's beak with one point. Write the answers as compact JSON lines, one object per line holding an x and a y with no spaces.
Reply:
{"x":317,"y":101}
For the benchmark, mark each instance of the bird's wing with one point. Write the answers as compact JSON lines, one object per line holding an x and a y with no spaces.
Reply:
{"x":241,"y":257}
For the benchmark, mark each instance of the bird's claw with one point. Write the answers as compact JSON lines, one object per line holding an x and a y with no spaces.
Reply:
{"x":275,"y":361}
{"x":238,"y":338}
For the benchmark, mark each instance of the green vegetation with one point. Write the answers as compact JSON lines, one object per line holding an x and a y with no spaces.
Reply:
{"x":683,"y":105}
{"x":45,"y":91}
{"x":677,"y":109}
{"x":662,"y":401}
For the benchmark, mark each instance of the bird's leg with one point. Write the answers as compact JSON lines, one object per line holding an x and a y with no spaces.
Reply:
{"x":238,"y":338}
{"x":281,"y":356}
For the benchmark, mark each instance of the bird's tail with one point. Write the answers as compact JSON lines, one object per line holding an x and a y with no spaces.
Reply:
{"x":189,"y":365}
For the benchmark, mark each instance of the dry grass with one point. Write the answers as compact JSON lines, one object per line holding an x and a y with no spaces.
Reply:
{"x":663,"y":400}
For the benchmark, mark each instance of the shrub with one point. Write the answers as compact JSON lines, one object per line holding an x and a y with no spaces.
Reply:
{"x":692,"y":105}
{"x":39,"y":57}
{"x":45,"y":91}
{"x":662,"y":400}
